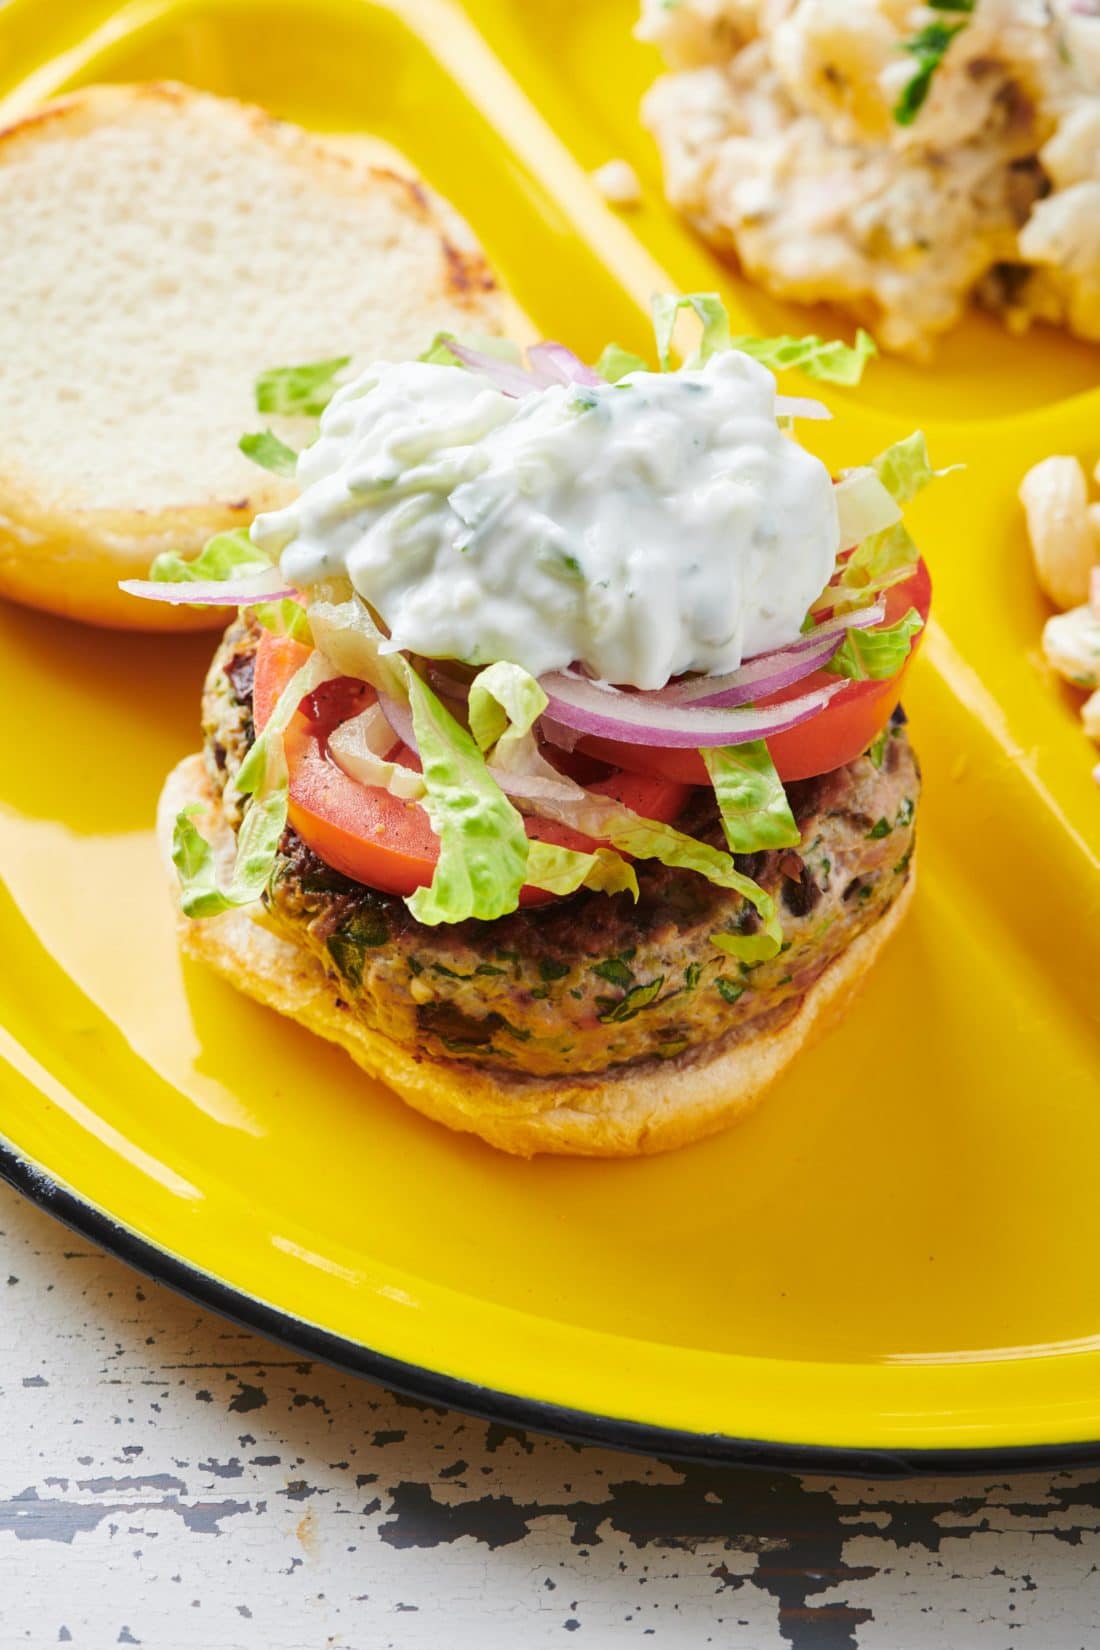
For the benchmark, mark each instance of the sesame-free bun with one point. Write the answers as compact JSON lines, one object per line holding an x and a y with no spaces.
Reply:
{"x":161,"y":248}
{"x":637,"y":1109}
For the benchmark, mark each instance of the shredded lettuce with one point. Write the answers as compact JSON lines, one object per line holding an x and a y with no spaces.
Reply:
{"x":874,"y":655}
{"x":563,"y":870}
{"x":505,"y":703}
{"x":883,"y":559}
{"x":299,"y":391}
{"x":711,"y":311}
{"x":519,"y":700}
{"x":222,"y":557}
{"x":482,"y":842}
{"x":439,"y":352}
{"x":889,"y":555}
{"x":830,"y":361}
{"x":863,"y":505}
{"x":257,"y":842}
{"x":263,"y":776}
{"x":264,"y":448}
{"x":649,"y":839}
{"x":615,"y":362}
{"x":751,"y":799}
{"x":285,"y":618}
{"x":346,"y":632}
{"x":905,"y":468}
{"x":827,"y":360}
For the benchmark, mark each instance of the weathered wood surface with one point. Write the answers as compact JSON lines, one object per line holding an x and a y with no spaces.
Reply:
{"x":169,"y":1480}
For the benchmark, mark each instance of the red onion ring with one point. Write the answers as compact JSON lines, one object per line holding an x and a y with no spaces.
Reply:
{"x":758,"y":678}
{"x":549,"y":363}
{"x":560,"y":365}
{"x":862,"y":619}
{"x":506,"y":376}
{"x":633,"y":718}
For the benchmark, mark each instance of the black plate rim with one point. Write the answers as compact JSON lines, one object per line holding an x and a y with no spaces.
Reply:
{"x":533,"y":1414}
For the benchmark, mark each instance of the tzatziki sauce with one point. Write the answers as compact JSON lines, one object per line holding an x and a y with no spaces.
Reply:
{"x":641,"y":530}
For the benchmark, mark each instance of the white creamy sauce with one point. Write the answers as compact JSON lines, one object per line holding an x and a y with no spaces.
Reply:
{"x":642,"y":529}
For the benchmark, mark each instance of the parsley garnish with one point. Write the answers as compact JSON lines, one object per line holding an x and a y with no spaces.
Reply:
{"x":928,"y":46}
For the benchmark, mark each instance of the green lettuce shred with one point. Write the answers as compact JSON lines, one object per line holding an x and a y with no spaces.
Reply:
{"x":751,"y":800}
{"x":225,"y":556}
{"x":874,"y":655}
{"x":263,"y":776}
{"x":889,"y":556}
{"x":505,"y":703}
{"x":563,"y":870}
{"x":482,"y":842}
{"x":710,"y":309}
{"x":505,"y":696}
{"x":285,"y":618}
{"x":302,"y":391}
{"x":264,"y":448}
{"x":615,"y":362}
{"x":827,"y":360}
{"x":905,"y":468}
{"x":439,"y":352}
{"x":882,"y":560}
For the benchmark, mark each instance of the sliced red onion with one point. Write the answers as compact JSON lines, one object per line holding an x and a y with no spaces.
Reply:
{"x":550,"y":363}
{"x":758,"y":679}
{"x":800,"y":406}
{"x":399,"y":717}
{"x":561,"y":366}
{"x":861,"y":619}
{"x":506,"y":376}
{"x":265,"y":586}
{"x":634,"y":719}
{"x":763,"y":675}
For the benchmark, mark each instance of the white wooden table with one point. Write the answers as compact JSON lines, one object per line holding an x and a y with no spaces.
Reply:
{"x":169,"y":1480}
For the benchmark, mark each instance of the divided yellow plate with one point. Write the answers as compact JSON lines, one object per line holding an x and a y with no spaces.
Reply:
{"x":895,"y":1260}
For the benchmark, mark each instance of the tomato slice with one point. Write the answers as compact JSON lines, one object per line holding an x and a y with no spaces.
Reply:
{"x":840,"y":733}
{"x":363,"y":831}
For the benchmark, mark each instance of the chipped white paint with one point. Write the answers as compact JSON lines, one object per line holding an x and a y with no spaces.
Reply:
{"x":171,"y":1481}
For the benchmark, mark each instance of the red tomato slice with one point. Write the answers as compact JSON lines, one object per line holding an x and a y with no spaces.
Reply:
{"x":840,"y":733}
{"x":362,"y":830}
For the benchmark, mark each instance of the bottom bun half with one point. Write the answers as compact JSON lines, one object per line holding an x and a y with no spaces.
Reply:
{"x":632,"y":1110}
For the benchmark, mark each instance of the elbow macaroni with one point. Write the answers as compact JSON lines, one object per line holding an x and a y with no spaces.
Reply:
{"x":1064,"y":529}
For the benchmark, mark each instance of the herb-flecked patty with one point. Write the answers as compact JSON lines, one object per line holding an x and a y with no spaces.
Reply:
{"x":591,"y":982}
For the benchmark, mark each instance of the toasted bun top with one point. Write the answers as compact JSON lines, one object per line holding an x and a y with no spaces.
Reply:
{"x":161,"y":248}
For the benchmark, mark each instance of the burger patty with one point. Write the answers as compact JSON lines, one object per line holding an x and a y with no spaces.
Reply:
{"x":593,"y":981}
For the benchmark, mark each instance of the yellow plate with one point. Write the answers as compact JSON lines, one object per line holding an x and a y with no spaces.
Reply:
{"x":898,"y":1252}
